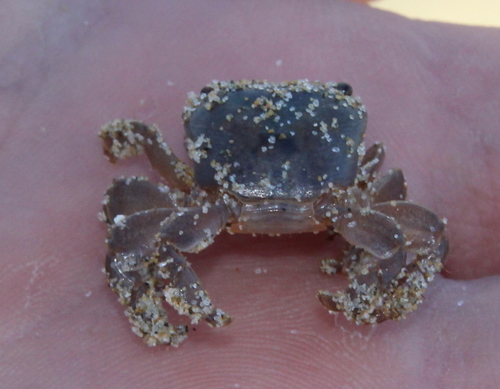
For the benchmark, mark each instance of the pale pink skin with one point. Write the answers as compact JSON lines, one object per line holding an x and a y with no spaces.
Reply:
{"x":432,"y":93}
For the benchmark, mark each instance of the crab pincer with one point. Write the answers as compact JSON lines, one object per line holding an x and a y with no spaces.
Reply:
{"x":146,"y":224}
{"x":397,"y":248}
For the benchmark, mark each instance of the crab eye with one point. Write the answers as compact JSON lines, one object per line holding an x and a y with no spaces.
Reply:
{"x":206,"y":90}
{"x":345,"y":88}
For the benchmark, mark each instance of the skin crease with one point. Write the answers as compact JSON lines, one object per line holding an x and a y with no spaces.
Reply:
{"x":66,"y":67}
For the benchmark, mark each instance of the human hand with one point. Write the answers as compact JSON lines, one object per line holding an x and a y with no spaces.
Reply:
{"x":432,"y":93}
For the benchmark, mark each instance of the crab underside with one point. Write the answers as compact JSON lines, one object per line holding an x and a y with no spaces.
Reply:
{"x":395,"y":246}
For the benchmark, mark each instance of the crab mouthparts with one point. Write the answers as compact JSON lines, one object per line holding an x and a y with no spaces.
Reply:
{"x":277,"y":217}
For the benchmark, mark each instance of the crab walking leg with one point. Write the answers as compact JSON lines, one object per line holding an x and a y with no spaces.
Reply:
{"x":191,"y":230}
{"x":149,"y":319}
{"x":370,"y":163}
{"x":390,"y":287}
{"x":183,"y":289}
{"x":126,"y":138}
{"x":389,"y":187}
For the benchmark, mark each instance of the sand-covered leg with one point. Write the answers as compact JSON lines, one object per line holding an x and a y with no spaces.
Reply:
{"x":183,"y":289}
{"x":369,"y":164}
{"x":126,"y":138}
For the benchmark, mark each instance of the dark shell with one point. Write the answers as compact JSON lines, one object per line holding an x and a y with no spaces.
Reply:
{"x":268,"y":140}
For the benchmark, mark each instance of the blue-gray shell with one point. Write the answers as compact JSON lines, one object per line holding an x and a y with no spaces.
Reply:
{"x":262,"y":140}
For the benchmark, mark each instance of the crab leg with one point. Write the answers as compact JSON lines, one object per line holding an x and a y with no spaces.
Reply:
{"x":183,"y":289}
{"x":391,"y":186}
{"x":371,"y":162}
{"x":126,"y":138}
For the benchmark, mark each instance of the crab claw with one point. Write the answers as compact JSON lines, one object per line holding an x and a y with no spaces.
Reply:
{"x":391,"y":186}
{"x":189,"y":230}
{"x":144,"y":265}
{"x":131,"y":245}
{"x":135,"y":194}
{"x":365,"y":299}
{"x":398,"y":247}
{"x":183,"y":289}
{"x":421,"y":227}
{"x":372,"y":231}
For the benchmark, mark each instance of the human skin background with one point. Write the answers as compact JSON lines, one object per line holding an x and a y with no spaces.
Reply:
{"x":66,"y":67}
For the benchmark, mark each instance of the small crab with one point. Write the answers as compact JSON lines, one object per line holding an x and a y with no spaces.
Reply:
{"x":269,"y":158}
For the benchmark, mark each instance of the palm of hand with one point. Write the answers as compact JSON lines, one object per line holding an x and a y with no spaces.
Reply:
{"x":436,"y":115}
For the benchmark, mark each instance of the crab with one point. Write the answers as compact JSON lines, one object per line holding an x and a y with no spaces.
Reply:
{"x":269,"y":158}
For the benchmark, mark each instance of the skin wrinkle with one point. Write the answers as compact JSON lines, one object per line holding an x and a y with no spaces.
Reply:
{"x":446,"y":92}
